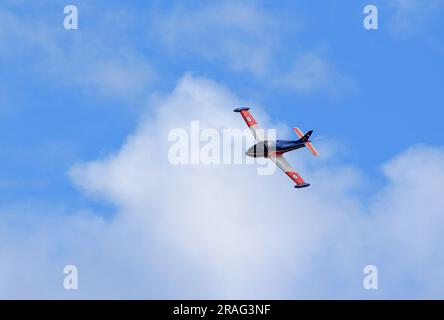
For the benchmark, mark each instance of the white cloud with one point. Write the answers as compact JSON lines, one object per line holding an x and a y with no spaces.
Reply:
{"x":245,"y":235}
{"x":225,"y":232}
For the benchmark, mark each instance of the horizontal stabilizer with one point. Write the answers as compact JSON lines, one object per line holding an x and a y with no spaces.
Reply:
{"x":305,"y":138}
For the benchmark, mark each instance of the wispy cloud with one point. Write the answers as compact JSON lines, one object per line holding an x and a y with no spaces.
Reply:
{"x":311,"y":73}
{"x":241,"y":36}
{"x":84,"y":59}
{"x":410,"y":16}
{"x":104,"y":55}
{"x":247,"y":39}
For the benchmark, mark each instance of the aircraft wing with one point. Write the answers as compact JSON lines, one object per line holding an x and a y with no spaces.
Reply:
{"x":257,"y":132}
{"x":283,"y":164}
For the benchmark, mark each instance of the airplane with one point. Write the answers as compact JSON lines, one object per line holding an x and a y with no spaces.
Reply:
{"x":274,"y":150}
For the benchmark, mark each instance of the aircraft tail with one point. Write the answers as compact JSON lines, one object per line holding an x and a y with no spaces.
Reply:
{"x":305,"y":138}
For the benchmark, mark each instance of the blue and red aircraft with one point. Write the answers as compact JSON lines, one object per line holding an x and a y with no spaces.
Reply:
{"x":274,"y":150}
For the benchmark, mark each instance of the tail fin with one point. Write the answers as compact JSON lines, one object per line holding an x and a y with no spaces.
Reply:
{"x":305,"y":138}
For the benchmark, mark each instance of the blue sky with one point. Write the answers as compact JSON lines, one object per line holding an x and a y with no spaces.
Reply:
{"x":393,"y":103}
{"x":70,"y":97}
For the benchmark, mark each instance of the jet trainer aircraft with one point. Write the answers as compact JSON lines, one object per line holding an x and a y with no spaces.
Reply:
{"x":274,"y":150}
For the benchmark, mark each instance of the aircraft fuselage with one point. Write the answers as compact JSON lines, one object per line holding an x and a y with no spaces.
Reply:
{"x":268,"y":148}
